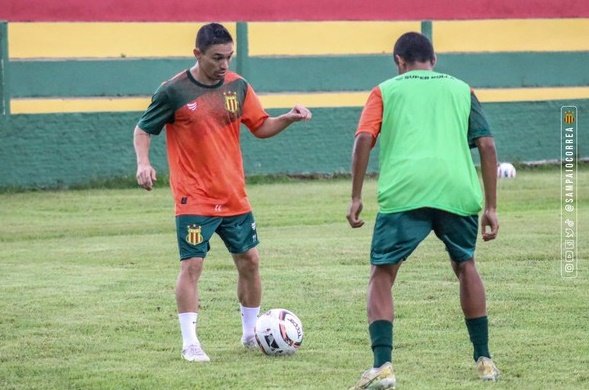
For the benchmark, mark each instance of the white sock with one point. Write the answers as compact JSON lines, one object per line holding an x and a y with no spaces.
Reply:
{"x":188,"y":328}
{"x":249,"y":315}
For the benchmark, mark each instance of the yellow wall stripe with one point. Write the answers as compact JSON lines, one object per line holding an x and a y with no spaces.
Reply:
{"x":511,"y":35}
{"x":102,"y":40}
{"x":140,"y":40}
{"x":68,"y":105}
{"x":325,"y":38}
{"x":497,"y":95}
{"x":286,"y":100}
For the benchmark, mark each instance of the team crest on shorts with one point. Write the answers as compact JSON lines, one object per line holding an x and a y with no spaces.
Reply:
{"x":194,"y":236}
{"x":231,"y":102}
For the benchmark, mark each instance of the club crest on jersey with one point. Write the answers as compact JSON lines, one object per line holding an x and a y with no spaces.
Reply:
{"x":194,"y":236}
{"x":231,"y":102}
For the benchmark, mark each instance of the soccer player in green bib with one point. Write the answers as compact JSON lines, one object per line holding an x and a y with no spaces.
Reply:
{"x":427,"y":123}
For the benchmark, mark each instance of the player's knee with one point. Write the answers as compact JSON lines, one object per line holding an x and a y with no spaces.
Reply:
{"x":191,"y":268}
{"x":248,"y":262}
{"x":462,"y":267}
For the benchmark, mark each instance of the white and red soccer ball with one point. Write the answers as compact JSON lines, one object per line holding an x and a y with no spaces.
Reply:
{"x":279,"y":332}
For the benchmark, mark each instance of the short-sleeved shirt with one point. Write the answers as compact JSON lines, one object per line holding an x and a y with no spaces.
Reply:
{"x":202,"y":135}
{"x":427,"y":123}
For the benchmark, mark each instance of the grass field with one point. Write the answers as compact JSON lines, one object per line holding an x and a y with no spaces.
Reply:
{"x":87,"y":294}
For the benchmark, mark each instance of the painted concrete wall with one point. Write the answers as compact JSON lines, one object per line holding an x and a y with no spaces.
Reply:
{"x":283,"y":10}
{"x":74,"y":109}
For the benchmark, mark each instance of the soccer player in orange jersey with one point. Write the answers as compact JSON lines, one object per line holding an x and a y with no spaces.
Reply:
{"x":202,"y":109}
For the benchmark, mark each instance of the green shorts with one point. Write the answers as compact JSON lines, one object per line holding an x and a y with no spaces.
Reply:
{"x":195,"y":231}
{"x":396,"y":235}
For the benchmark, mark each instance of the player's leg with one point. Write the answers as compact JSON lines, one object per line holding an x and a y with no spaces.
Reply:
{"x":249,"y":285}
{"x":472,"y":290}
{"x":187,"y":284}
{"x":459,"y":235}
{"x":380,"y":309}
{"x":472,"y":300}
{"x":194,"y":233}
{"x":240,"y":236}
{"x":187,"y":301}
{"x":395,"y":237}
{"x":249,"y":293}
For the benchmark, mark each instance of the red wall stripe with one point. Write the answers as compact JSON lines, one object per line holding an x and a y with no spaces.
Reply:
{"x":284,"y":10}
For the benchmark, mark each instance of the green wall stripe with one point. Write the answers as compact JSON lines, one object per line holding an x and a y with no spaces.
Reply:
{"x":295,"y":74}
{"x":78,"y":78}
{"x":52,"y":150}
{"x":426,"y":29}
{"x":241,"y":60}
{"x":482,"y":70}
{"x":4,"y":72}
{"x":494,"y":70}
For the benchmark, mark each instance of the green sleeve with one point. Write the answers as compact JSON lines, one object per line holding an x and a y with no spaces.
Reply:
{"x":159,"y":112}
{"x":477,"y":122}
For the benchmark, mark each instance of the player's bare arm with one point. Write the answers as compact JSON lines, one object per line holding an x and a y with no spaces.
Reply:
{"x":146,"y":175}
{"x":275,"y":125}
{"x":489,"y":220}
{"x":360,"y":156}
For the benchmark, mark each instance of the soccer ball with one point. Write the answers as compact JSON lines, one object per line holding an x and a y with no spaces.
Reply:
{"x":279,"y":332}
{"x":506,"y":171}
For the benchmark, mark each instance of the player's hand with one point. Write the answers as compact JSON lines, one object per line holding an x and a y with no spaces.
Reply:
{"x":489,"y":224}
{"x":353,"y":215}
{"x":146,"y":176}
{"x":299,"y":113}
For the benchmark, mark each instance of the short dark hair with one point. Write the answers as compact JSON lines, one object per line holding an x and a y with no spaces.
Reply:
{"x":212,"y":34}
{"x":414,"y":47}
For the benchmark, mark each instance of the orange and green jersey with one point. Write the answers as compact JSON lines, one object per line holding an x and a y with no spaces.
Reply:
{"x":202,"y":135}
{"x":427,"y":123}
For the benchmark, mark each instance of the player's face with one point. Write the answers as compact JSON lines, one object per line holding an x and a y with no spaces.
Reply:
{"x":213,"y":63}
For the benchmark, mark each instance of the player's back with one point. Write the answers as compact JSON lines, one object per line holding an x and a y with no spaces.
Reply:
{"x":424,"y":157}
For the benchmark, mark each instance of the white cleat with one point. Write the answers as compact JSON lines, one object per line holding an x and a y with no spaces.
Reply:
{"x":194,"y":353}
{"x":250,"y":344}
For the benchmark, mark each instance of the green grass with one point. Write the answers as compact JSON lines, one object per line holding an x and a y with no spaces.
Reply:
{"x":87,"y":294}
